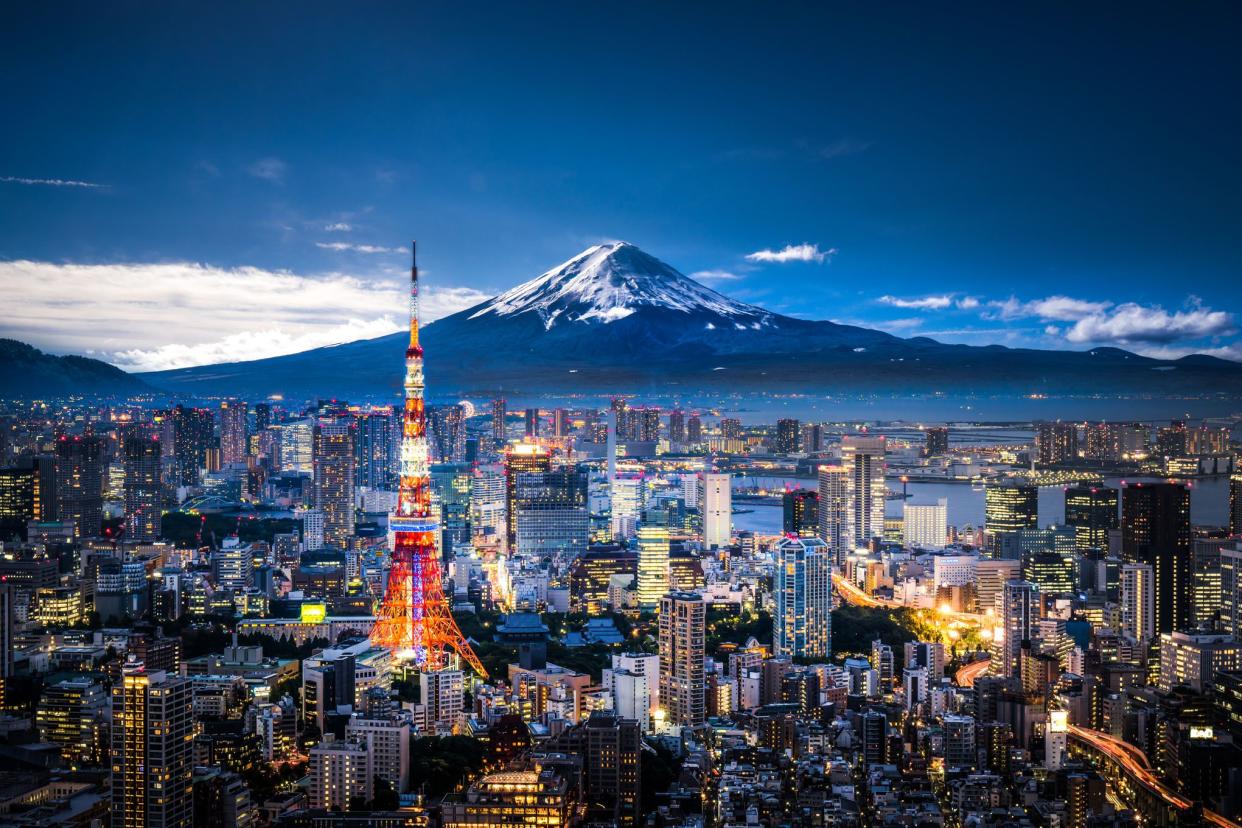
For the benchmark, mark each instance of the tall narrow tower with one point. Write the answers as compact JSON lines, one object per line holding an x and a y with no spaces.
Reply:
{"x":414,"y":619}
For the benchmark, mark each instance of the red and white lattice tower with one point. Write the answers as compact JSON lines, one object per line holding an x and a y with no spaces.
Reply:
{"x":414,"y":619}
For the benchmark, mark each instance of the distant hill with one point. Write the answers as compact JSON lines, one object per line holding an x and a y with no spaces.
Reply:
{"x":28,"y":373}
{"x":614,"y":318}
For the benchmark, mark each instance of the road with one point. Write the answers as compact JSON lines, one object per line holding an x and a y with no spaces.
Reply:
{"x":967,"y":674}
{"x":1136,"y":765}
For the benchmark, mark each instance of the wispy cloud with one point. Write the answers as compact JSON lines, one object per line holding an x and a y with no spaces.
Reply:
{"x":842,"y":147}
{"x":338,"y":227}
{"x":52,"y":182}
{"x":921,"y":303}
{"x":358,"y":248}
{"x":715,"y":276}
{"x":793,"y":253}
{"x":149,"y":317}
{"x":1052,"y":308}
{"x":269,"y":169}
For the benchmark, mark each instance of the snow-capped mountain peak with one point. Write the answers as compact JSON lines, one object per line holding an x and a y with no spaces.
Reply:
{"x":609,"y":282}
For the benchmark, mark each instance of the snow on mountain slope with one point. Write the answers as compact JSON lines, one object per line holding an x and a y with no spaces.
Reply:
{"x":607,"y":283}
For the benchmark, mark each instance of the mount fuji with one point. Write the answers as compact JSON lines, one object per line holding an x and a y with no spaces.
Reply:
{"x":616,"y":319}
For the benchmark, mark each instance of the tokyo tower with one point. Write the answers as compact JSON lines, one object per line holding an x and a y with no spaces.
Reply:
{"x":414,"y":619}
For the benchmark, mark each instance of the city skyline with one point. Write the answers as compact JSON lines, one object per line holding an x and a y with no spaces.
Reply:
{"x":877,"y":177}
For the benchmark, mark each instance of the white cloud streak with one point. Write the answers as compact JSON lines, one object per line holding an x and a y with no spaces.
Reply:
{"x":1133,"y":323}
{"x":52,"y":182}
{"x":358,"y":248}
{"x":923,"y":303}
{"x":338,"y":227}
{"x":793,"y":253}
{"x":149,"y":317}
{"x":1052,"y":308}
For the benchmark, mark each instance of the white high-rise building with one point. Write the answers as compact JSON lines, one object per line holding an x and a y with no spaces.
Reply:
{"x":1019,"y":617}
{"x":834,"y":511}
{"x":340,"y":770}
{"x":627,"y":498}
{"x":487,"y":505}
{"x":297,"y":446}
{"x":442,"y":692}
{"x":924,"y":526}
{"x":1231,"y":591}
{"x":640,"y":664}
{"x":1056,"y":737}
{"x":312,"y":529}
{"x":683,"y":682}
{"x":631,"y":697}
{"x":717,"y":510}
{"x":1138,"y":601}
{"x":652,"y":566}
{"x":387,"y":738}
{"x":864,"y":457}
{"x":802,"y":625}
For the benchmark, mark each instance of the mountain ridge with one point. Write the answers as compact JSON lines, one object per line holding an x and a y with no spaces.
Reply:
{"x":615,"y":318}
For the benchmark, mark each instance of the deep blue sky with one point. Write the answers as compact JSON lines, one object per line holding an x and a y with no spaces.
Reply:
{"x":947,"y":153}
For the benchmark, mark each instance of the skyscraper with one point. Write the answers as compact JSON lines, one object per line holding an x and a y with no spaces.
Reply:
{"x":79,"y":483}
{"x":446,"y":433}
{"x":560,"y":423}
{"x":20,"y":500}
{"x":1093,"y":512}
{"x":193,"y":434}
{"x":143,"y":488}
{"x":694,"y":429}
{"x":834,"y":510}
{"x":1019,"y":616}
{"x":802,"y":625}
{"x":1155,"y":530}
{"x":1007,"y":509}
{"x":682,"y":641}
{"x":1138,"y":602}
{"x":800,"y":511}
{"x":499,"y":413}
{"x":550,"y":513}
{"x":649,"y":427}
{"x":1235,"y":505}
{"x":717,"y":510}
{"x":1056,"y":442}
{"x":532,"y":422}
{"x":787,"y":433}
{"x":152,"y":750}
{"x":376,"y":442}
{"x":233,"y":447}
{"x":334,"y":480}
{"x":522,"y":458}
{"x":652,"y":566}
{"x":676,"y":426}
{"x":864,"y":458}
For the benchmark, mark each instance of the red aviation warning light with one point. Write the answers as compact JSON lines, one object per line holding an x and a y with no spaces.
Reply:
{"x":414,"y":620}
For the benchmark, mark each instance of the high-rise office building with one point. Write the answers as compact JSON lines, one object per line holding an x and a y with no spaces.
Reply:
{"x":152,"y":750}
{"x":488,"y":504}
{"x":532,"y":422}
{"x":334,"y":480}
{"x":560,"y":422}
{"x":717,"y":510}
{"x":1019,"y":616}
{"x":1138,"y":602}
{"x":499,"y":426}
{"x":834,"y":510}
{"x":925,"y":526}
{"x":522,"y":458}
{"x":233,"y":432}
{"x":71,"y":713}
{"x":802,"y":624}
{"x":451,"y":485}
{"x":1205,"y":580}
{"x":21,"y":500}
{"x":683,"y":617}
{"x":627,"y":499}
{"x":143,"y":487}
{"x":864,"y":458}
{"x":788,"y":432}
{"x":1155,"y":530}
{"x":1231,"y":591}
{"x":731,"y":428}
{"x":649,"y":426}
{"x":79,"y":483}
{"x":340,"y":771}
{"x":936,"y":441}
{"x":653,"y":580}
{"x":800,"y":512}
{"x":550,"y":513}
{"x":1007,"y":509}
{"x":377,"y":440}
{"x":1093,"y":512}
{"x":1056,"y":442}
{"x":297,"y":446}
